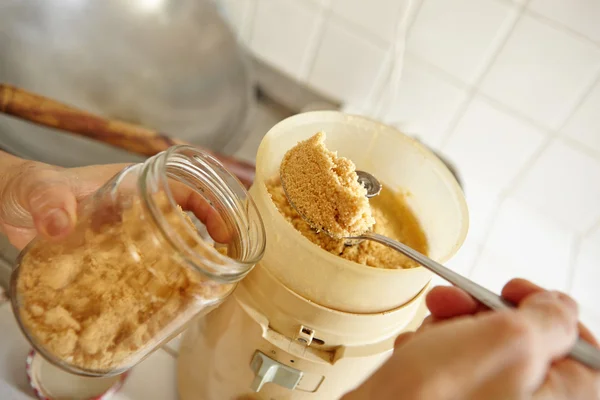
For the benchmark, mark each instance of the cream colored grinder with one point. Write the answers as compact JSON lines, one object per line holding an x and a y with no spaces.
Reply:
{"x":306,"y":324}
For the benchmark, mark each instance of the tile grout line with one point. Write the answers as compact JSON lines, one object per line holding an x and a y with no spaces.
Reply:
{"x":448,"y":78}
{"x":501,"y":197}
{"x":498,"y":42}
{"x":561,"y":26}
{"x":485,"y":236}
{"x":518,"y":12}
{"x":371,"y":101}
{"x":517,"y":181}
{"x":250,"y":20}
{"x":595,"y":226}
{"x":584,"y":94}
{"x":397,"y":52}
{"x":413,"y":17}
{"x":575,"y":248}
{"x":370,"y":105}
{"x":314,"y":44}
{"x":477,"y":253}
{"x":418,"y":5}
{"x":456,"y":118}
{"x":552,"y":135}
{"x":360,"y":31}
{"x":515,"y":113}
{"x":434,"y":69}
{"x":247,"y":20}
{"x":411,"y":57}
{"x":592,"y":153}
{"x":559,"y":135}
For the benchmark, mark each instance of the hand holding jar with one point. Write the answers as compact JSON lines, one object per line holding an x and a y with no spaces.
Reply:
{"x":41,"y":199}
{"x":126,"y":255}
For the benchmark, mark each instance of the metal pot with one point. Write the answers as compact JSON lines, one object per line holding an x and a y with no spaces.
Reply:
{"x":173,"y":65}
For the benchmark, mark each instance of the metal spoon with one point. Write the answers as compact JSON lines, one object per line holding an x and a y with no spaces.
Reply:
{"x":369,"y":182}
{"x":582,"y":351}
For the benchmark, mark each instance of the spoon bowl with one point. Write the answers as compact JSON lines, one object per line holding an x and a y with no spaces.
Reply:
{"x":370,"y":183}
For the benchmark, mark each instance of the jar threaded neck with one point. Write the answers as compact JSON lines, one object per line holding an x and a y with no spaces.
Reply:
{"x":204,"y":176}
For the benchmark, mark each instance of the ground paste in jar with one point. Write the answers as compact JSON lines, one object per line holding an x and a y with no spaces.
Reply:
{"x":122,"y":290}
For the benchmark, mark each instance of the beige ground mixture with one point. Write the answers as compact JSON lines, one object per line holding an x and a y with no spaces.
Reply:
{"x":324,"y":188}
{"x":393,"y":218}
{"x":118,"y":292}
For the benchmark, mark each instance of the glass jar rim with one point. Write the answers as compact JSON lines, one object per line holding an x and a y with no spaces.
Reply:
{"x":226,"y":187}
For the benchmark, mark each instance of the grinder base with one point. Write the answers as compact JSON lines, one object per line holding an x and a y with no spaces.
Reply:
{"x":245,"y":349}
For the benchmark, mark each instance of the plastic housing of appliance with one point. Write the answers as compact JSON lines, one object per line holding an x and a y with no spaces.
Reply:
{"x":217,"y":357}
{"x":399,"y":162}
{"x":306,"y":324}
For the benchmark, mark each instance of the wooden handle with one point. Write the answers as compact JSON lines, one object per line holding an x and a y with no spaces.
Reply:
{"x":41,"y":110}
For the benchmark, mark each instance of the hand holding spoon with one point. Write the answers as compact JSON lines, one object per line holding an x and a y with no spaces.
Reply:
{"x":582,"y":351}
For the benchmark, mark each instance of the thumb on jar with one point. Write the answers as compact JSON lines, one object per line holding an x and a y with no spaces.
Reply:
{"x":44,"y":195}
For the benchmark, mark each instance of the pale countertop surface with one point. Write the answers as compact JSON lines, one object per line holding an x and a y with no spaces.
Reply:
{"x":153,"y":378}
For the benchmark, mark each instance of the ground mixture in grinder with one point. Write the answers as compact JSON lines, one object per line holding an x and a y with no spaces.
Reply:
{"x":392,"y":215}
{"x":324,"y":189}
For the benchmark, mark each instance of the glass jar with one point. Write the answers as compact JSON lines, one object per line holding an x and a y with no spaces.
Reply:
{"x":158,"y":244}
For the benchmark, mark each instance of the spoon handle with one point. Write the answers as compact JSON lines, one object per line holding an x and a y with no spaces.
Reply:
{"x":582,"y":351}
{"x":45,"y":111}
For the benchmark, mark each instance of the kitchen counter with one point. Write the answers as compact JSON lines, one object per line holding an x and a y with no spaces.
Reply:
{"x":153,"y":378}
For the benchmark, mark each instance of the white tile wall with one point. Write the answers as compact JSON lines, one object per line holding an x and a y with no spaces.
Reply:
{"x":523,"y":236}
{"x":489,"y":145}
{"x":579,"y":15}
{"x":564,"y":183}
{"x":346,"y":64}
{"x":380,"y":17}
{"x":240,"y":14}
{"x":542,"y":71}
{"x":508,"y":89}
{"x":584,"y":124}
{"x":455,"y":35}
{"x":591,"y":318}
{"x":491,"y":270}
{"x":483,"y":200}
{"x":427,"y":101}
{"x":282,"y":31}
{"x":587,"y":273}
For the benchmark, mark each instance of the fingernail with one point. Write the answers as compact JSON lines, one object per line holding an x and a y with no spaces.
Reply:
{"x":57,"y":222}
